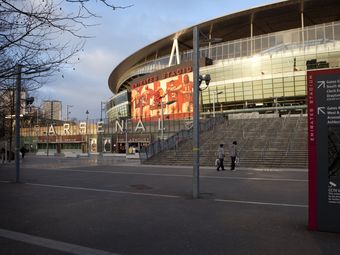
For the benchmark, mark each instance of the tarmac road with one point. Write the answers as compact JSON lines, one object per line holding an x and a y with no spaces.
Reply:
{"x":132,"y":209}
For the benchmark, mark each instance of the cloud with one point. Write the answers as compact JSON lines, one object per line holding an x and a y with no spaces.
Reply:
{"x":86,"y":86}
{"x":120,"y":34}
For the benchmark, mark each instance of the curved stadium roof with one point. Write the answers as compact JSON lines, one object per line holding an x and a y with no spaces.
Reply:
{"x":283,"y":15}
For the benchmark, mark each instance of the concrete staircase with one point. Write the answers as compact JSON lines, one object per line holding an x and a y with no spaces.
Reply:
{"x":263,"y":143}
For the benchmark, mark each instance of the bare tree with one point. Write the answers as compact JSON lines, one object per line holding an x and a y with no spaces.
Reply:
{"x":43,"y":36}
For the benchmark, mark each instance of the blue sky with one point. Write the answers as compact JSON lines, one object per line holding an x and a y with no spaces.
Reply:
{"x":121,"y":33}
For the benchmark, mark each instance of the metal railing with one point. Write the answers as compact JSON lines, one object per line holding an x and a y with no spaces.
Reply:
{"x":173,"y":141}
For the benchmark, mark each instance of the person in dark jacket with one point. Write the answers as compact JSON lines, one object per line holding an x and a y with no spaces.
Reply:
{"x":233,"y":152}
{"x":220,"y":156}
{"x":23,"y":151}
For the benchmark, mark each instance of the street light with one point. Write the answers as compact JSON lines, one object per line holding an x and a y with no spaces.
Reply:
{"x":162,"y":116}
{"x":126,"y":138}
{"x":196,"y":115}
{"x":17,"y":122}
{"x":101,"y":109}
{"x":67,"y":111}
{"x":87,"y":137}
{"x":214,"y":98}
{"x":87,"y":115}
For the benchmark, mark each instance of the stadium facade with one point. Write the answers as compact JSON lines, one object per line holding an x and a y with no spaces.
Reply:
{"x":260,"y":64}
{"x":257,"y":59}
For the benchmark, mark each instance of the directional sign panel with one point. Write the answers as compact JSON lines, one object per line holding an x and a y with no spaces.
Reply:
{"x":324,"y":149}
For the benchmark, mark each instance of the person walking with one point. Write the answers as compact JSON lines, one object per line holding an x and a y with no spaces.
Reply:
{"x":233,"y":152}
{"x":220,"y":156}
{"x":23,"y":151}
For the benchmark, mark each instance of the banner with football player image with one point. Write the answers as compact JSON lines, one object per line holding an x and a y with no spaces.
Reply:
{"x":175,"y":94}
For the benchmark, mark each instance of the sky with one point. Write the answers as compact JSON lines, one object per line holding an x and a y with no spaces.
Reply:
{"x":119,"y":34}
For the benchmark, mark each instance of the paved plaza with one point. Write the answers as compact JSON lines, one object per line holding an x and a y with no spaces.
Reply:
{"x":117,"y":206}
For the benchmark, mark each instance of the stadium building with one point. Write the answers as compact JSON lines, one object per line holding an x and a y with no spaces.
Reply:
{"x":257,"y":63}
{"x":257,"y":60}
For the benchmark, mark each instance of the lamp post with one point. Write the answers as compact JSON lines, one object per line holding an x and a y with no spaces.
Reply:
{"x":68,"y":111}
{"x":126,"y":138}
{"x":196,"y":114}
{"x":37,"y":127}
{"x":17,"y":123}
{"x":87,"y":137}
{"x":101,"y":109}
{"x":214,"y":98}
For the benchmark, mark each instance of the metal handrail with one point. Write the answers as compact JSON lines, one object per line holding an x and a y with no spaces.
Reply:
{"x":174,"y":140}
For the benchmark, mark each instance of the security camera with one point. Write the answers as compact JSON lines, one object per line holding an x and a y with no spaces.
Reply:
{"x":200,"y":79}
{"x":207,"y":79}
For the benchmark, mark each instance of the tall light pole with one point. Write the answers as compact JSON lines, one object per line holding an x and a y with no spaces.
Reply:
{"x":17,"y":123}
{"x":87,"y":137}
{"x":162,"y":123}
{"x":101,"y":109}
{"x":196,"y":114}
{"x":68,"y":111}
{"x":126,"y":137}
{"x":214,"y":98}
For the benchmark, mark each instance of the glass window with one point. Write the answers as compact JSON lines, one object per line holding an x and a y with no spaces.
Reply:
{"x":288,"y":80}
{"x":248,"y":90}
{"x":287,"y":64}
{"x":249,"y":42}
{"x":267,"y":94}
{"x":231,"y":50}
{"x":289,"y":93}
{"x":238,"y":87}
{"x":225,"y":51}
{"x":300,"y":83}
{"x":337,"y":32}
{"x":229,"y":89}
{"x":291,"y":88}
{"x":271,"y":41}
{"x":221,"y":97}
{"x":320,"y":33}
{"x":204,"y":52}
{"x":265,"y":43}
{"x":213,"y":52}
{"x":244,"y":49}
{"x":258,"y":96}
{"x":329,"y":33}
{"x":278,"y":39}
{"x":300,"y":88}
{"x":238,"y":96}
{"x":257,"y":45}
{"x":300,"y":78}
{"x":237,"y":49}
{"x":278,"y":81}
{"x":278,"y":93}
{"x":296,"y":37}
{"x":311,"y":34}
{"x":219,"y":52}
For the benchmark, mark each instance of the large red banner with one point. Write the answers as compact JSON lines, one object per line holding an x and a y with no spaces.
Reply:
{"x":173,"y":94}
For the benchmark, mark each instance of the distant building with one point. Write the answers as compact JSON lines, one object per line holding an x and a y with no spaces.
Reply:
{"x":52,"y":109}
{"x":7,"y":102}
